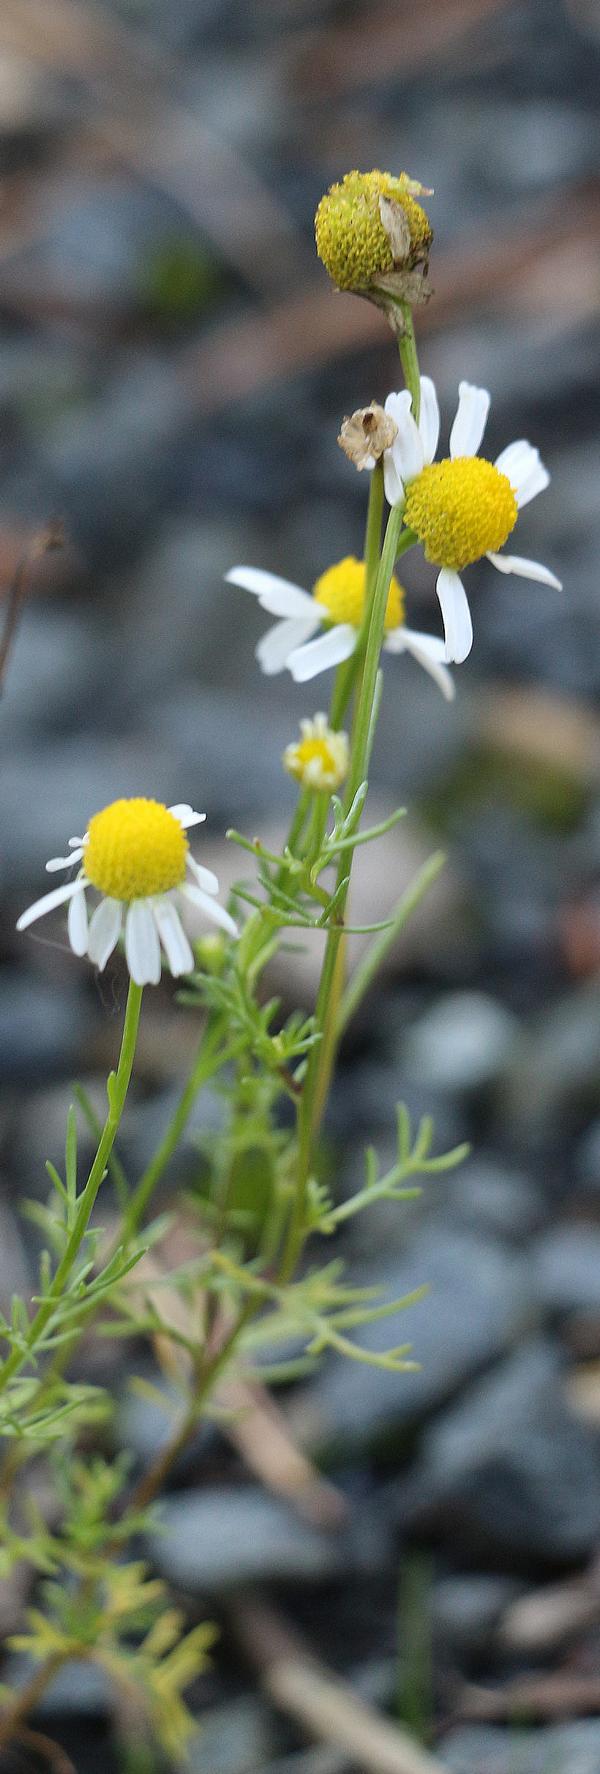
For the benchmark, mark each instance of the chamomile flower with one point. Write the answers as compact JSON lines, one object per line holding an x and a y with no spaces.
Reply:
{"x":135,"y":854}
{"x":336,"y":606}
{"x":320,"y":758}
{"x":463,"y":507}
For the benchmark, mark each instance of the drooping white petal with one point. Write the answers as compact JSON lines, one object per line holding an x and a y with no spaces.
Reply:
{"x":172,"y":935}
{"x":516,"y":563}
{"x":204,"y":877}
{"x":142,"y":947}
{"x":428,"y":650}
{"x":77,"y":843}
{"x":274,"y":648}
{"x":392,"y":481}
{"x":211,"y":907}
{"x":329,"y":649}
{"x":62,"y":862}
{"x":469,"y":424}
{"x":458,"y":627}
{"x":276,"y":595}
{"x":407,"y":448}
{"x":429,"y":418}
{"x":77,"y":924}
{"x":186,"y":815}
{"x":105,"y":930}
{"x":525,"y":470}
{"x":58,"y":896}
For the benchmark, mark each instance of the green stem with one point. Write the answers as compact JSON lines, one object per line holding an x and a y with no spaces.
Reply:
{"x":118,"y":1085}
{"x":210,"y":1057}
{"x":408,"y":357}
{"x":318,"y":1071}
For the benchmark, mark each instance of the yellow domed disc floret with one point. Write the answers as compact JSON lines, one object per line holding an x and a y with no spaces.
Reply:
{"x":351,"y":239}
{"x":135,"y":848}
{"x":460,"y":510}
{"x":341,"y":592}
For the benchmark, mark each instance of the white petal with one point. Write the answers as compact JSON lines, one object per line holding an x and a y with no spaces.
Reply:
{"x":469,"y":424}
{"x":211,"y":907}
{"x":204,"y":877}
{"x":142,"y":946}
{"x":186,"y":815}
{"x":525,"y":470}
{"x":49,"y":901}
{"x":329,"y":649}
{"x":458,"y":627}
{"x":105,"y":930}
{"x":172,"y":935}
{"x":428,"y":650}
{"x":276,"y":595}
{"x":392,"y":482}
{"x":77,"y":924}
{"x":516,"y":563}
{"x":77,"y":843}
{"x":407,"y":448}
{"x":429,"y":418}
{"x":274,"y":649}
{"x":63,"y":862}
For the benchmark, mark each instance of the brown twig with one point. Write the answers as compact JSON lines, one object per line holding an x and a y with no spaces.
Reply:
{"x":556,"y":1696}
{"x":43,"y":543}
{"x":53,"y":1754}
{"x":322,"y":1704}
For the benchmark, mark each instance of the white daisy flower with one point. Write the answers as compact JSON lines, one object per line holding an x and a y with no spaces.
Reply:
{"x":462,"y":507}
{"x":335,"y":606}
{"x":135,"y":854}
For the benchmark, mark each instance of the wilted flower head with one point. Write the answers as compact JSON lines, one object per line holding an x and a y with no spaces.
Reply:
{"x":372,"y":235}
{"x":366,"y":434}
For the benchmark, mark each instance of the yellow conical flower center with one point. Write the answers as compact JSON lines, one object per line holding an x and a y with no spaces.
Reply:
{"x":460,"y":510}
{"x":341,"y":591}
{"x":351,"y":239}
{"x":135,"y":848}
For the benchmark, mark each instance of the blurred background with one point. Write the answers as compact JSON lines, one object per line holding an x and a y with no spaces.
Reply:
{"x":174,"y":367}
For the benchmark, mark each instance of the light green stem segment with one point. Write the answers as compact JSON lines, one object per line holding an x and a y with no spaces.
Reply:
{"x":318,"y":1071}
{"x":117,"y":1087}
{"x":210,"y":1057}
{"x":408,"y":357}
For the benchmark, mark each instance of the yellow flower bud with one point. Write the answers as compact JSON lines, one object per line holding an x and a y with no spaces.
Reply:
{"x":320,"y":759}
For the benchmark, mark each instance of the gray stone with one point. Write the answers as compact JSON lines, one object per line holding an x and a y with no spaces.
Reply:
{"x":492,"y":1749}
{"x":566,"y":1269}
{"x":42,"y":1026}
{"x":477,"y":1304}
{"x":234,"y":1739}
{"x":492,"y":1199}
{"x":554,"y":1068}
{"x":523,"y":1473}
{"x":215,"y":1540}
{"x":466,"y":1609}
{"x":461,"y":1043}
{"x":56,"y":661}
